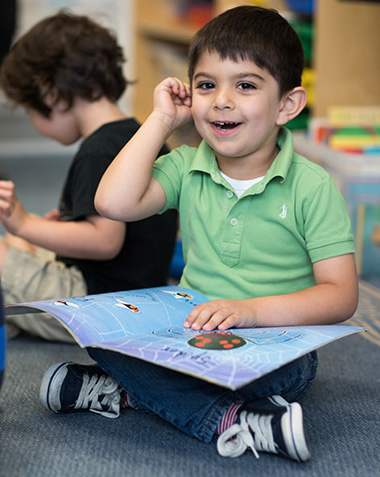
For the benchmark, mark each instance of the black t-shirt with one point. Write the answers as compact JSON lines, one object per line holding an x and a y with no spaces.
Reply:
{"x":148,"y":247}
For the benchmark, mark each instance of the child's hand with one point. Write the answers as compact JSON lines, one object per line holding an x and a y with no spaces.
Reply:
{"x":53,"y":215}
{"x":221,"y":314}
{"x":12,"y":212}
{"x":172,"y":100}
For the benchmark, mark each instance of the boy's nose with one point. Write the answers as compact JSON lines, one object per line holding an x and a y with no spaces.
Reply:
{"x":223,"y":100}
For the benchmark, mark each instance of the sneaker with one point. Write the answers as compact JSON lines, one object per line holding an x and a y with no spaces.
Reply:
{"x":70,"y":387}
{"x":267,"y":425}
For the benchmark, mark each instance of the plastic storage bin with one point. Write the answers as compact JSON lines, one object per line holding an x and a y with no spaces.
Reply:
{"x":303,"y":7}
{"x":358,"y":178}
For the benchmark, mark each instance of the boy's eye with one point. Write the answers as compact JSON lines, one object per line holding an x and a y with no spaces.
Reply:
{"x":246,"y":86}
{"x":205,"y":85}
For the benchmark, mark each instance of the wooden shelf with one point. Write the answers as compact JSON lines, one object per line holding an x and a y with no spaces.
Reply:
{"x":347,"y":60}
{"x":173,"y":32}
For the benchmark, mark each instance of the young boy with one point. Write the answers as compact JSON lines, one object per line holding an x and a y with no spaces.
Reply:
{"x":266,"y":236}
{"x":67,"y":73}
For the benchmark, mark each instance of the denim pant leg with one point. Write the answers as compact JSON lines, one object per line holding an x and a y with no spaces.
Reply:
{"x":190,"y":404}
{"x":290,"y":381}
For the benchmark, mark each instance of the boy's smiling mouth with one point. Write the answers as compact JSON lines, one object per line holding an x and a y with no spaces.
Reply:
{"x":225,"y":125}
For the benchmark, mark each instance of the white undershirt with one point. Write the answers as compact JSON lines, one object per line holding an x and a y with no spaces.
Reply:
{"x":240,"y":186}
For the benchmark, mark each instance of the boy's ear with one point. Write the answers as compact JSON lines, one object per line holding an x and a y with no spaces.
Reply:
{"x":52,"y":101}
{"x":49,"y":96}
{"x":293,"y":103}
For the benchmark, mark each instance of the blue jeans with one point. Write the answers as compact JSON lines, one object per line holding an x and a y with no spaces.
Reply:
{"x":193,"y":405}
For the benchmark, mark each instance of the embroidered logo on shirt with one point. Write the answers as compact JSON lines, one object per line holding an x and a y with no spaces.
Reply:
{"x":284,"y":211}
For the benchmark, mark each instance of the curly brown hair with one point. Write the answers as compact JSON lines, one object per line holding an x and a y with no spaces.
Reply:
{"x":68,"y":54}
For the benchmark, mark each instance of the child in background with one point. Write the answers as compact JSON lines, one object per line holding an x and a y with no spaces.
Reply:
{"x":266,"y":236}
{"x":67,"y":73}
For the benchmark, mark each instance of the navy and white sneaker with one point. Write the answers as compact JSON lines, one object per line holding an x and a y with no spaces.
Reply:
{"x":70,"y":387}
{"x":266,"y":425}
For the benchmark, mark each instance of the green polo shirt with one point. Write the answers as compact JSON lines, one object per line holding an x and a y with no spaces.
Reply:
{"x":263,"y":243}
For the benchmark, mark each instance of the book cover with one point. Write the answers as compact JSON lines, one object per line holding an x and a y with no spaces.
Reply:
{"x":148,"y":324}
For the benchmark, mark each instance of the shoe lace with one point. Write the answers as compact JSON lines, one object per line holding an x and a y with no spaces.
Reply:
{"x":236,"y":439}
{"x":99,"y":394}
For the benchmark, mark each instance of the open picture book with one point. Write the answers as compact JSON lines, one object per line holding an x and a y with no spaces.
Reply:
{"x":148,"y":324}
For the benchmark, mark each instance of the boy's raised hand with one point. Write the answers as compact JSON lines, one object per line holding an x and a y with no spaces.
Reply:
{"x":172,"y":101}
{"x":127,"y":191}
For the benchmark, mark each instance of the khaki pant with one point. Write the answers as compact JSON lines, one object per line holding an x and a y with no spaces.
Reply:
{"x":27,"y":277}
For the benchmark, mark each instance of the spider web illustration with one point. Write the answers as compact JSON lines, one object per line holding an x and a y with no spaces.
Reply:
{"x":148,"y":324}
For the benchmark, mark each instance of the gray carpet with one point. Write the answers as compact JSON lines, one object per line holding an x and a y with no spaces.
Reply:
{"x":341,"y":421}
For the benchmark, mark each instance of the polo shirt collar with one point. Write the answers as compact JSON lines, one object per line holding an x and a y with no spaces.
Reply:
{"x":204,"y":159}
{"x":284,"y":158}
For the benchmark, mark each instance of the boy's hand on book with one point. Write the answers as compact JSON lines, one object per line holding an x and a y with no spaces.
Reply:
{"x":221,"y":315}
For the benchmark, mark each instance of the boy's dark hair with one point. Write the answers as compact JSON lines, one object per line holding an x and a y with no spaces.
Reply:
{"x":256,"y":34}
{"x":68,"y":54}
